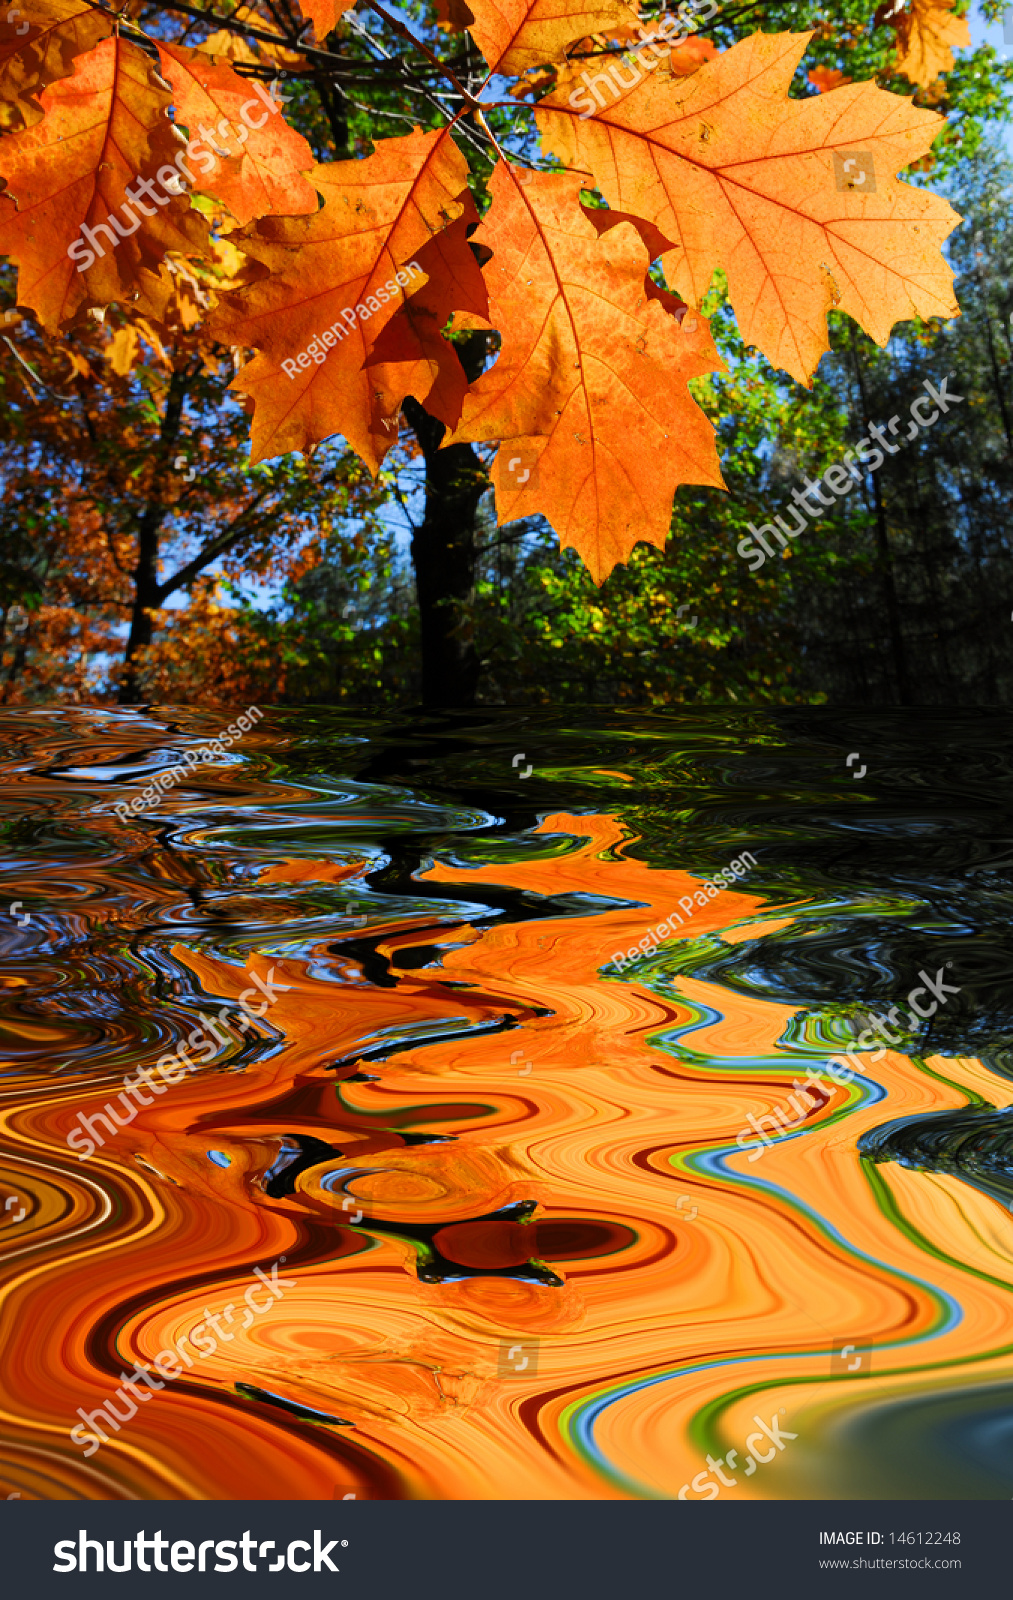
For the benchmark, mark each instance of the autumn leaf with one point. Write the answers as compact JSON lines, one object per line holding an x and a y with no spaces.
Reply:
{"x":223,"y":267}
{"x":39,"y":40}
{"x":533,"y":82}
{"x":515,"y":35}
{"x":825,"y":78}
{"x":927,"y":36}
{"x":104,"y":128}
{"x":123,"y":352}
{"x":189,"y":293}
{"x":259,"y":16}
{"x":263,"y":171}
{"x":454,"y":15}
{"x":692,"y":53}
{"x":328,"y":297}
{"x":745,"y":179}
{"x":324,"y":14}
{"x":665,"y":58}
{"x":415,"y":332}
{"x":589,"y":393}
{"x":230,"y":46}
{"x":79,"y":367}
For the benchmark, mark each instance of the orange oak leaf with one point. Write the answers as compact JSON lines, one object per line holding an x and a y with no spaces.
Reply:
{"x":70,"y":217}
{"x":38,"y":42}
{"x":262,"y":173}
{"x":324,"y":14}
{"x":743,"y":178}
{"x":657,"y":245}
{"x":334,"y":284}
{"x":533,"y":82}
{"x":453,"y":15}
{"x":589,"y":393}
{"x":685,"y":58}
{"x":824,"y":78}
{"x":514,"y":35}
{"x":610,"y":69}
{"x":927,"y":36}
{"x":415,"y":332}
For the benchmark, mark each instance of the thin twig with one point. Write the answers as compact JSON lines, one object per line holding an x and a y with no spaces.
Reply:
{"x":67,"y":398}
{"x":420,"y":45}
{"x":231,"y":26}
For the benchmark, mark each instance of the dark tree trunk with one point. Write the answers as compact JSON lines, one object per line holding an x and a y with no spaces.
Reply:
{"x":443,"y":550}
{"x":20,"y":652}
{"x":884,"y":557}
{"x":147,"y":594}
{"x":145,"y":601}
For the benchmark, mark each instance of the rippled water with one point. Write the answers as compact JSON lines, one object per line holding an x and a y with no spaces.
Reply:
{"x":516,"y":1233}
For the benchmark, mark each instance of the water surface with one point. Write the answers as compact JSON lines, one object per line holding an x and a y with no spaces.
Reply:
{"x":527,"y":1223}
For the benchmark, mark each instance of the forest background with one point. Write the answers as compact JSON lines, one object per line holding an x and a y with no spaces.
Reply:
{"x":301,"y":579}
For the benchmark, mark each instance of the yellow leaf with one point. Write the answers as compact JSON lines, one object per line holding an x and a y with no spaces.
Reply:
{"x":514,"y":35}
{"x":927,"y":36}
{"x":123,"y":350}
{"x":230,"y":46}
{"x":795,"y":200}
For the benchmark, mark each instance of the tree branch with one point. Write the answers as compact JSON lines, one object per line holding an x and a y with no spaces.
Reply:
{"x":240,"y":529}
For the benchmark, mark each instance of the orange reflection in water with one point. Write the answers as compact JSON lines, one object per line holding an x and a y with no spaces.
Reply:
{"x":586,"y":1138}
